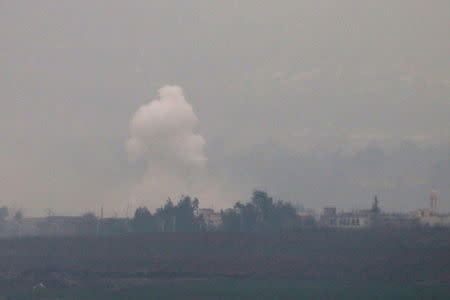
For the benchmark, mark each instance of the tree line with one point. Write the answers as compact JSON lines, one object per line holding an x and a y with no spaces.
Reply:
{"x":261,"y":214}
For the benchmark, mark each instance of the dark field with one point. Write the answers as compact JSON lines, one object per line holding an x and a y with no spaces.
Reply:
{"x":247,"y":289}
{"x":310,"y":264}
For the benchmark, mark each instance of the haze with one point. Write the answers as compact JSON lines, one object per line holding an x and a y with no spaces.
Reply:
{"x":319,"y":103}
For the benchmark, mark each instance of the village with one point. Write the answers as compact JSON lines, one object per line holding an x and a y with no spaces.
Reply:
{"x":210,"y":220}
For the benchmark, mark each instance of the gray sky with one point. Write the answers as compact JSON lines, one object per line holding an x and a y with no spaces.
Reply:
{"x":290,"y":95}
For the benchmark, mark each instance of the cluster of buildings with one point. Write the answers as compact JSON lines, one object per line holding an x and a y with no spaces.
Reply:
{"x":430,"y":216}
{"x":373,"y":217}
{"x":66,"y":226}
{"x":357,"y":219}
{"x":330,"y":218}
{"x":88,"y":224}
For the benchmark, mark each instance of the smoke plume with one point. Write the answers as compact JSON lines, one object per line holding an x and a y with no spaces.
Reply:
{"x":162,"y":136}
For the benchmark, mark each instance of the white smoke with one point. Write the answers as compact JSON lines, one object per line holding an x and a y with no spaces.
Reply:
{"x":162,"y":131}
{"x":162,"y":135}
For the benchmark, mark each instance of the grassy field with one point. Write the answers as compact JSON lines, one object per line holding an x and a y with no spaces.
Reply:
{"x":313,"y":265}
{"x":250,"y":289}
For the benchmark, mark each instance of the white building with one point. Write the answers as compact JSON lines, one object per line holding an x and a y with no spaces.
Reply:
{"x":430,"y":216}
{"x":213,"y":220}
{"x":353,"y":220}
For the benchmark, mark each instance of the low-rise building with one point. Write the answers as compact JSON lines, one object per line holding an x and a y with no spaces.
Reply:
{"x":307,"y":219}
{"x":349,"y":220}
{"x":430,"y":216}
{"x":111,"y":226}
{"x":427,"y":217}
{"x":32,"y":226}
{"x":395,"y":221}
{"x":213,"y":220}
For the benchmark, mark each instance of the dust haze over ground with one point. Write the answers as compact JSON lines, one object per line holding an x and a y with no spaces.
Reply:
{"x":322,"y":103}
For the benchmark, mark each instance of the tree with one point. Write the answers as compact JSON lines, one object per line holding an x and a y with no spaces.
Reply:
{"x":260,"y":214}
{"x":143,"y":220}
{"x":248,"y":216}
{"x":18,"y":216}
{"x":4,"y":213}
{"x":181,"y":217}
{"x":89,"y":223}
{"x":273,"y":216}
{"x":284,"y":217}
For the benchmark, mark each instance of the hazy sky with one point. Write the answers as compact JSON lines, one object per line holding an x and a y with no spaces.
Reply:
{"x":307,"y":99}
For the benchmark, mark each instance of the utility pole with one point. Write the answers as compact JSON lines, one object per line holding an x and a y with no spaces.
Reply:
{"x":99,"y":220}
{"x":128,"y":217}
{"x":241,"y":221}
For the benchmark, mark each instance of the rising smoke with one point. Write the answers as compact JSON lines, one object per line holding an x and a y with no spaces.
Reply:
{"x":162,"y":136}
{"x":162,"y":132}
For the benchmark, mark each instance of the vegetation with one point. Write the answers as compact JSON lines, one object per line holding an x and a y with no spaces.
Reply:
{"x":261,"y":214}
{"x":181,"y":217}
{"x":3,"y":214}
{"x":250,"y":289}
{"x":143,"y":220}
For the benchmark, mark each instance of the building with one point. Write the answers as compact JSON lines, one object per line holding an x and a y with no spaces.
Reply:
{"x":430,"y":216}
{"x":329,"y":211}
{"x":427,"y":218}
{"x":32,"y":226}
{"x":353,"y":220}
{"x":111,"y":226}
{"x":307,"y":219}
{"x":64,"y":225}
{"x":59,"y":225}
{"x":213,"y":220}
{"x":345,"y":220}
{"x":357,"y":219}
{"x":396,"y":221}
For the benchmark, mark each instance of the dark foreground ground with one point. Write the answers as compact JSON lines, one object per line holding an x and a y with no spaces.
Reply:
{"x":310,"y":265}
